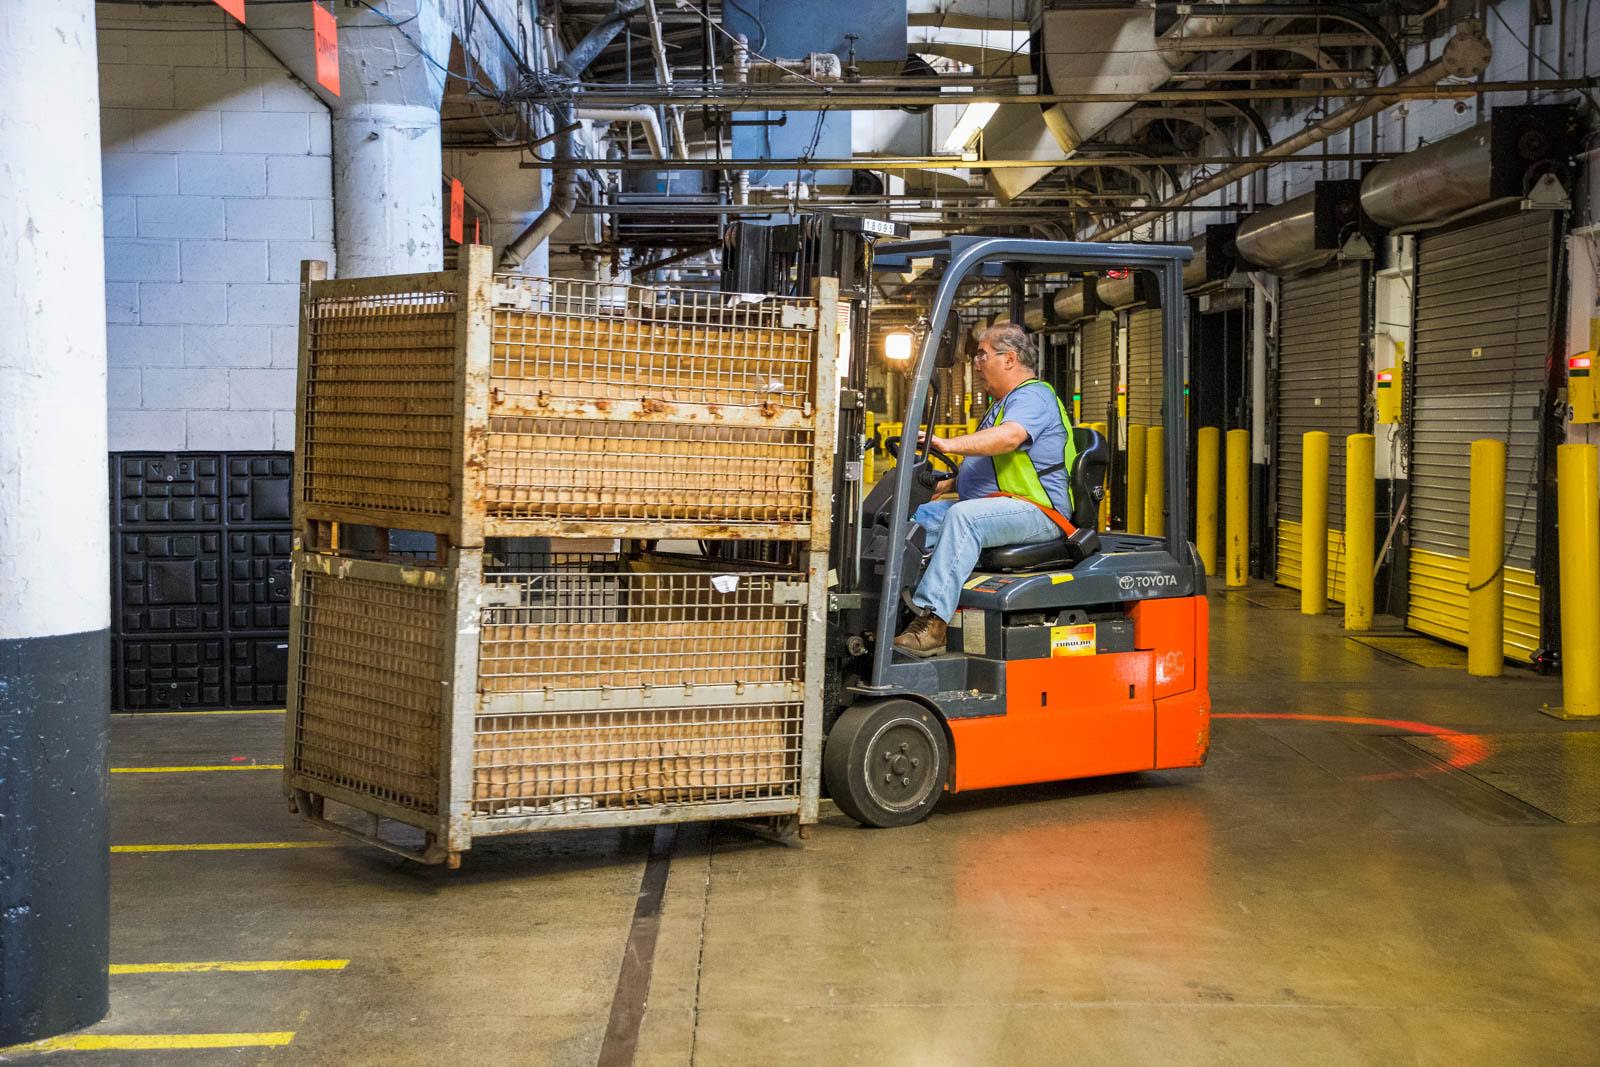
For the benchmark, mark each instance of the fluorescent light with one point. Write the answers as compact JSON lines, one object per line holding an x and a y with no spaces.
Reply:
{"x":897,"y":346}
{"x":968,"y":126}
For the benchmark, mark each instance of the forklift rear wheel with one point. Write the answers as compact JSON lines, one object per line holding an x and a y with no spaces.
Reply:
{"x":885,"y":763}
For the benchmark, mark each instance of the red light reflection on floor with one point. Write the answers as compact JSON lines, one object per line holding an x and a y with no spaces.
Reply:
{"x":1465,"y":749}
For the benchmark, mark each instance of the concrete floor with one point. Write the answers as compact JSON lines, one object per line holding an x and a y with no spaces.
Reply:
{"x":1321,"y":892}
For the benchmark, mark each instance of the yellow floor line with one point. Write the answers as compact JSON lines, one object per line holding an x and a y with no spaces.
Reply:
{"x":229,"y":966}
{"x":226,"y":846}
{"x":199,"y":767}
{"x":132,"y":1042}
{"x":189,"y":714}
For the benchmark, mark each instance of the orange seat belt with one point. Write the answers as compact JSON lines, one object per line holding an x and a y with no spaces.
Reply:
{"x":1067,"y":529}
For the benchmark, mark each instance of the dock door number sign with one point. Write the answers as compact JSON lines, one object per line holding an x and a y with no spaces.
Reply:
{"x":325,"y":35}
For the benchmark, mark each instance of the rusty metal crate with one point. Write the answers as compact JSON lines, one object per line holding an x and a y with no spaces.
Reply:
{"x":473,"y":405}
{"x":512,"y":691}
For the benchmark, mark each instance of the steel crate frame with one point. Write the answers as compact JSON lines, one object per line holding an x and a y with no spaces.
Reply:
{"x":452,"y":825}
{"x":474,"y":295}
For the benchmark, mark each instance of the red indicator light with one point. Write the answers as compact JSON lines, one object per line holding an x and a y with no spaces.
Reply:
{"x":1122,"y":388}
{"x":1117,"y":273}
{"x":1580,"y":363}
{"x":1385,"y":377}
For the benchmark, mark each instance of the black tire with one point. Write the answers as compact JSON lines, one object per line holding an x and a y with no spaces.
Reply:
{"x":885,"y":764}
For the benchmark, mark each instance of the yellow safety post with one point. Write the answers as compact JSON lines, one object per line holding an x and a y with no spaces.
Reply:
{"x":1359,"y":490}
{"x":1578,"y":493}
{"x":1486,"y":546}
{"x":868,"y":456}
{"x":1155,"y":481}
{"x":1314,"y":523}
{"x":1133,"y":506}
{"x":1207,"y":460}
{"x":1237,"y":529}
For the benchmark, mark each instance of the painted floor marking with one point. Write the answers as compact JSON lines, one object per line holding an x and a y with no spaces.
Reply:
{"x":133,"y":1042}
{"x":229,"y":966}
{"x":223,"y":846}
{"x":204,"y":767}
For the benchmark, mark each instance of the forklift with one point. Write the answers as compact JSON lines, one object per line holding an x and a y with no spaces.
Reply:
{"x":1080,"y":656}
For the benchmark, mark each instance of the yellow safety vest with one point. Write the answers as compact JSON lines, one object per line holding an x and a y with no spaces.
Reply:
{"x":1015,"y":473}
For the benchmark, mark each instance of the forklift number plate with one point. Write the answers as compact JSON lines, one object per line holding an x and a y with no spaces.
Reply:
{"x":1072,"y":640}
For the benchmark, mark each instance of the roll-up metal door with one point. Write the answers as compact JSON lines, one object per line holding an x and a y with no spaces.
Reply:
{"x":1320,"y":386}
{"x":1144,"y":367}
{"x":1094,"y":348}
{"x":1479,"y":347}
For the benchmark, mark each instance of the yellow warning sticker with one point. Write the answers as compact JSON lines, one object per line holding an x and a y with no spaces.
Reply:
{"x":975,"y":581}
{"x":1072,"y":640}
{"x":1057,"y":579}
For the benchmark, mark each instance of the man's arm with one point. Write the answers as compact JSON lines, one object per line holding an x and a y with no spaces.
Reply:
{"x":995,"y":441}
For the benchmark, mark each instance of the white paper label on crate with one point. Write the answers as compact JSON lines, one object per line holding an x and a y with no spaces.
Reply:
{"x":725,"y":583}
{"x":749,"y":298}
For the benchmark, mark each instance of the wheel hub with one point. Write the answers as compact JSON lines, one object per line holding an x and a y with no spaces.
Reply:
{"x":898,"y":771}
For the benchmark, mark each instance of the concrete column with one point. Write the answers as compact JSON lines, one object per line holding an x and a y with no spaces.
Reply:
{"x":388,"y":212}
{"x":514,"y":197}
{"x":54,"y":537}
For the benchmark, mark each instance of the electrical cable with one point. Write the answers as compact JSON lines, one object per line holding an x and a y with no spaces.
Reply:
{"x":747,"y":13}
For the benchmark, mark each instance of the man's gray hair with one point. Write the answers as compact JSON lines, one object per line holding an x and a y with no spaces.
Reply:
{"x":1009,"y":337}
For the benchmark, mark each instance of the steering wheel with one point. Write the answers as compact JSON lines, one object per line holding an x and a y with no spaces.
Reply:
{"x":950,"y":467}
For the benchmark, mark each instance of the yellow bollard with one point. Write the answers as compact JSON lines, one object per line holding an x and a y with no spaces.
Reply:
{"x":1314,"y":523}
{"x":1359,"y":490}
{"x":1155,"y":481}
{"x":1237,"y":574}
{"x":1578,"y":492}
{"x":1207,"y":459}
{"x":1486,"y":546}
{"x":868,"y":456}
{"x":1133,"y":505}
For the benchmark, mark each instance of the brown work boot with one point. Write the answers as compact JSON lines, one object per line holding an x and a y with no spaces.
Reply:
{"x":924,"y":637}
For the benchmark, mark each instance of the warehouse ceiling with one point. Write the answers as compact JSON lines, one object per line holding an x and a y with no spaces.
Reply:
{"x":1103,"y":110}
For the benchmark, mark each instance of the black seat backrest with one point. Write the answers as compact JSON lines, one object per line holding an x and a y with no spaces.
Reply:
{"x":1088,"y":476}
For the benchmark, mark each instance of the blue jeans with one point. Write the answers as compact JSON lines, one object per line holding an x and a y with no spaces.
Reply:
{"x":960,"y":529}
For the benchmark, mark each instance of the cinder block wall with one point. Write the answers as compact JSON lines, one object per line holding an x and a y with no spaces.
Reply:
{"x":218,"y":182}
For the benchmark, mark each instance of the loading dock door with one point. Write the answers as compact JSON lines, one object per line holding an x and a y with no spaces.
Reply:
{"x":1480,"y":342}
{"x":1144,"y":367}
{"x":1320,"y":386}
{"x":1094,"y":348}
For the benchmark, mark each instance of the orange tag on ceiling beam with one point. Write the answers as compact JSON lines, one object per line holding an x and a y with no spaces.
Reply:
{"x":458,"y":206}
{"x":325,"y":36}
{"x":233,"y":7}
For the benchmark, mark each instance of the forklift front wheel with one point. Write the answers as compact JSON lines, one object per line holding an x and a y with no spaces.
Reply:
{"x":885,"y":763}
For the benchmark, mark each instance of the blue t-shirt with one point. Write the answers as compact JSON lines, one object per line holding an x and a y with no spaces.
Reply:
{"x":1033,"y":407}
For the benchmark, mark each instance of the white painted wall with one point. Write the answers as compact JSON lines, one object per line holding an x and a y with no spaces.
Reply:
{"x":54,"y":537}
{"x":218,"y":183}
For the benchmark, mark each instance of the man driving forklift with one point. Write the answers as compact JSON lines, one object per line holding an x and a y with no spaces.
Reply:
{"x":1012,"y":489}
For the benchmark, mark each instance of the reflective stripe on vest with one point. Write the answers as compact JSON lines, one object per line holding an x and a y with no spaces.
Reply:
{"x":1015,"y":473}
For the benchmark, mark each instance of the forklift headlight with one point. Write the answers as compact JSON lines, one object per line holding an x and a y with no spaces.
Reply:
{"x":897,"y":346}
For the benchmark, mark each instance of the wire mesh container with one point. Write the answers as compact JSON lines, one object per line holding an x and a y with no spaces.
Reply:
{"x":471,"y":404}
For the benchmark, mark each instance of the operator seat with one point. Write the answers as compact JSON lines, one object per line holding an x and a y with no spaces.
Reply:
{"x":1087,"y":479}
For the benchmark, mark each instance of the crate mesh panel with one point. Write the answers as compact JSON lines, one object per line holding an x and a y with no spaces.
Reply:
{"x":593,"y":629}
{"x":564,"y":762}
{"x":372,"y":663}
{"x":379,"y":403}
{"x":648,"y":471}
{"x":595,"y":340}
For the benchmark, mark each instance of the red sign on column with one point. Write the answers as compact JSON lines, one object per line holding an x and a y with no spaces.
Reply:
{"x":325,"y":35}
{"x":458,"y":210}
{"x":233,"y":7}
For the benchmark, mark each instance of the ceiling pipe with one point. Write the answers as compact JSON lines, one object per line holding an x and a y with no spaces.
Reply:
{"x":1465,"y":55}
{"x":564,"y":182}
{"x":642,"y":114}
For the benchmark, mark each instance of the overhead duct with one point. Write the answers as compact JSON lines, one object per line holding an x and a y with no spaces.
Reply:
{"x":1465,"y":55}
{"x":1304,"y":232}
{"x":1124,"y":58}
{"x":1503,"y":158}
{"x":1070,"y":304}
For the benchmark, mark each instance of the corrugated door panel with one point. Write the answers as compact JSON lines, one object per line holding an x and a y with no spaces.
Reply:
{"x":1097,"y":381}
{"x":1145,"y":379}
{"x":1320,"y":387}
{"x":1289,"y":559}
{"x":1479,"y":346}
